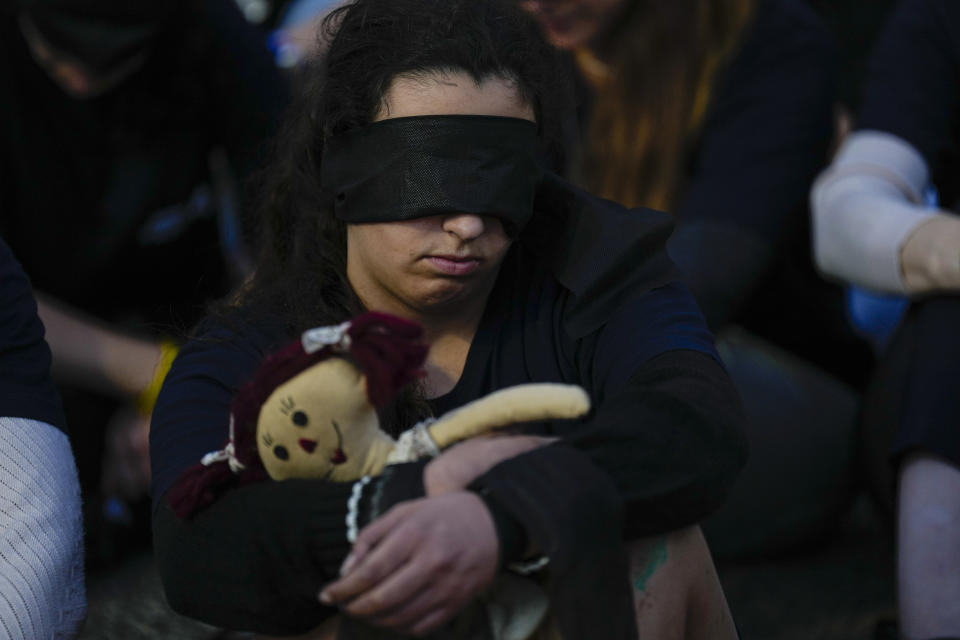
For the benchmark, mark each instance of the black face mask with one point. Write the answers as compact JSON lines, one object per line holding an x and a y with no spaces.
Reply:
{"x":103,"y":34}
{"x":405,"y":168}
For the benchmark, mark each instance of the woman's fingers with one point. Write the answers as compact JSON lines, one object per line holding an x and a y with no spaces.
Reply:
{"x":371,"y":535}
{"x":399,"y":602}
{"x":440,"y":553}
{"x":375,"y":555}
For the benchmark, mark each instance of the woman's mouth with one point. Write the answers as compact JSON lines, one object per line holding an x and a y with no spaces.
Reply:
{"x":453,"y":265}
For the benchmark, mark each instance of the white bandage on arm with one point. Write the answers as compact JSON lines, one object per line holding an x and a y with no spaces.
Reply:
{"x":865,"y":207}
{"x":41,"y":533}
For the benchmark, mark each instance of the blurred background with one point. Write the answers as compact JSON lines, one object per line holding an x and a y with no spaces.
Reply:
{"x":164,"y":142}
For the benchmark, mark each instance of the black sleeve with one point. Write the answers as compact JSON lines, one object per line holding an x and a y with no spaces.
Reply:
{"x":670,"y":445}
{"x":257,"y":558}
{"x":765,"y":138}
{"x":671,"y":441}
{"x":659,"y":455}
{"x":26,"y":388}
{"x":912,"y":84}
{"x":191,"y":416}
{"x":722,"y":264}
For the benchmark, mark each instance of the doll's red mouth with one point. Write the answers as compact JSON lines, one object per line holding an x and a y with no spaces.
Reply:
{"x":339,"y":457}
{"x":307,"y":445}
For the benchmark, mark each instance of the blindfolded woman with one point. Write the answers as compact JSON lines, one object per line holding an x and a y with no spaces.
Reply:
{"x":408,"y":182}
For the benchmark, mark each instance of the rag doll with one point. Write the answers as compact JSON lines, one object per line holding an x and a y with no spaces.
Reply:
{"x":311,"y":412}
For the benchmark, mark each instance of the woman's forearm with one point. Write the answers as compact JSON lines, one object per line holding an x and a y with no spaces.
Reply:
{"x":930,"y":257}
{"x":94,"y":355}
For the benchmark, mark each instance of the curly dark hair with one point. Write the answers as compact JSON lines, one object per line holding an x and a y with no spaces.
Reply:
{"x":301,"y":258}
{"x":300,"y":270}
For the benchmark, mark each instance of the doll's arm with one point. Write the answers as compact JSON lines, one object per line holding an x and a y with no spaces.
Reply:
{"x":522,"y":403}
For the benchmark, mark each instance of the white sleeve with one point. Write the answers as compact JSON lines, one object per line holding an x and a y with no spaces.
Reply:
{"x":865,"y":206}
{"x":41,"y":533}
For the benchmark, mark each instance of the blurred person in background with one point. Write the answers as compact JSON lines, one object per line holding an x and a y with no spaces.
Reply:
{"x":878,"y":225}
{"x":41,"y":529}
{"x":129,"y":128}
{"x":721,"y":111}
{"x":298,"y":34}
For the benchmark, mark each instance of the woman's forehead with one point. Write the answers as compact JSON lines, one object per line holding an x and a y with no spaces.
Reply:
{"x":454,"y":93}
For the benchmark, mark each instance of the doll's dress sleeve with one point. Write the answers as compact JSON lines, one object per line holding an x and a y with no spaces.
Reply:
{"x":414,"y":444}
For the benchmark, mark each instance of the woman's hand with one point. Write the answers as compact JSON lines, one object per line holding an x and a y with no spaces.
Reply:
{"x":457,"y":467}
{"x":125,"y":471}
{"x":930,"y":258}
{"x":416,"y":567}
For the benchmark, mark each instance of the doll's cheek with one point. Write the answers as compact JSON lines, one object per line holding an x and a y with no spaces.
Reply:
{"x":275,"y":458}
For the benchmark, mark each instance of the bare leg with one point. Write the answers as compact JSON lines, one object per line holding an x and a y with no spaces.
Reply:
{"x":928,"y":559}
{"x":677,"y":595}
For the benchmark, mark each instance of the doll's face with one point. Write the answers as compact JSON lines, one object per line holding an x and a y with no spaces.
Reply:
{"x":315,"y":422}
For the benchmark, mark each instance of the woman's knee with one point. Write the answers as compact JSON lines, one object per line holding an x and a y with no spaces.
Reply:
{"x":676,"y":591}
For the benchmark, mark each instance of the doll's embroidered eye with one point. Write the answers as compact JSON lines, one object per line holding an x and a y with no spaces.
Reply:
{"x":281,"y":452}
{"x":299,"y":418}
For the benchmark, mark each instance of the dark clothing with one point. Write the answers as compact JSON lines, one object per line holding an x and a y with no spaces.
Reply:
{"x":913,"y":90}
{"x":855,"y":26}
{"x":768,"y":127}
{"x":742,"y":238}
{"x":912,"y":404}
{"x":102,"y":199}
{"x":26,"y":389}
{"x":930,"y":402}
{"x":742,"y":244}
{"x":660,"y":451}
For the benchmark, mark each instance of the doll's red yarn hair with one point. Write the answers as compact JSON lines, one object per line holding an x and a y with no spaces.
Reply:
{"x":387,"y":349}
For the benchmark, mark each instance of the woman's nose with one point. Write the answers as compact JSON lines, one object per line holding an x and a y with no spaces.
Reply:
{"x":466,"y":226}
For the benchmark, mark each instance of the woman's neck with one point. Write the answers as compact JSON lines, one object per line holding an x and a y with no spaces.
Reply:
{"x":449,"y":338}
{"x":448,"y":332}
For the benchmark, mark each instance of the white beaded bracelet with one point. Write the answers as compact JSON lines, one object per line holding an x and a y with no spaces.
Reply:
{"x":353,"y":506}
{"x":526,"y":567}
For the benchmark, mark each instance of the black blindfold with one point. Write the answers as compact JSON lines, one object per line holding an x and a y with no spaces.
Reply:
{"x":405,"y":168}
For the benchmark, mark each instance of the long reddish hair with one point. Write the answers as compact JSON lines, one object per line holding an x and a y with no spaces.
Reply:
{"x":651,"y":94}
{"x":387,"y":349}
